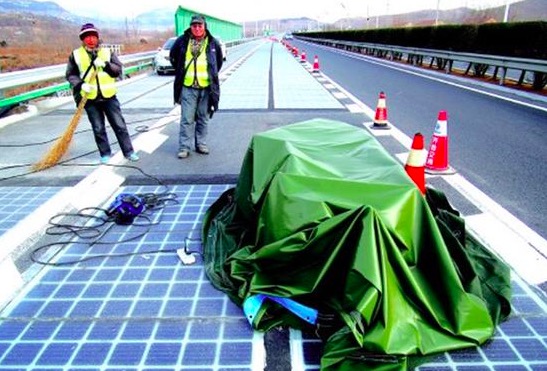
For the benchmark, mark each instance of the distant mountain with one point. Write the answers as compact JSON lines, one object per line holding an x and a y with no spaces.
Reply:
{"x":522,"y":11}
{"x":157,"y":20}
{"x":47,"y":8}
{"x":24,"y":22}
{"x":49,"y":13}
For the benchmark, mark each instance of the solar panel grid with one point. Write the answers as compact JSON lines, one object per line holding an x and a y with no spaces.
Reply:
{"x":148,"y":311}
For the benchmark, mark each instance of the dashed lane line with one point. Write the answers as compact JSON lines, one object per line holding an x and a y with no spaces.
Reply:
{"x":517,"y":244}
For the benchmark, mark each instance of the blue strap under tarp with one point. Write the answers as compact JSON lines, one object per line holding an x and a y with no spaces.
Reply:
{"x":252,"y":305}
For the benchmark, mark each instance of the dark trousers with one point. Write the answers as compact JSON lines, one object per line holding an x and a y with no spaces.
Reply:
{"x":109,"y":108}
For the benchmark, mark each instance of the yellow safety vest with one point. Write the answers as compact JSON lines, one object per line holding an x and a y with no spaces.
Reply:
{"x":107,"y":84}
{"x":197,"y":70}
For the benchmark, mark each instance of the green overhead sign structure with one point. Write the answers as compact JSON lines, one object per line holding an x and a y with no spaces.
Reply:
{"x":226,"y":30}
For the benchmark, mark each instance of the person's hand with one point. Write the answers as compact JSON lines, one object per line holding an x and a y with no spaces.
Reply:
{"x":87,"y":87}
{"x":99,"y":63}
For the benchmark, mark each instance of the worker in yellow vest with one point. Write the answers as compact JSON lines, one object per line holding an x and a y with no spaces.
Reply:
{"x":100,"y":93}
{"x":197,"y":58}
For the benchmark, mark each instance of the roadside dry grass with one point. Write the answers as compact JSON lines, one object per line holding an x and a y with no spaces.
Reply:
{"x":15,"y":58}
{"x":41,"y":54}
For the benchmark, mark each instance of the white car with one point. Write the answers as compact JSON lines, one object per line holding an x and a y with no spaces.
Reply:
{"x":161,"y":63}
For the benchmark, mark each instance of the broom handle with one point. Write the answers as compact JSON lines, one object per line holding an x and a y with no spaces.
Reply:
{"x":61,"y":145}
{"x":83,"y":101}
{"x":84,"y":97}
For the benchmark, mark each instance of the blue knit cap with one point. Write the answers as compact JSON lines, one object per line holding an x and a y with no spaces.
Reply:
{"x":87,"y":29}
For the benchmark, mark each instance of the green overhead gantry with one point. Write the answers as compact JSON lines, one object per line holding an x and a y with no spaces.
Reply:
{"x":226,"y":30}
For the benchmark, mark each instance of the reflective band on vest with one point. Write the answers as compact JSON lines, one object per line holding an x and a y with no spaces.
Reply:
{"x":107,"y":84}
{"x":198,"y":68}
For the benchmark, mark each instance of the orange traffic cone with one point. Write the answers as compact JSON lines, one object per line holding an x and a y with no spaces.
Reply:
{"x":437,"y":156}
{"x":303,"y":57}
{"x":415,"y":163}
{"x":315,"y":64}
{"x":380,"y":118}
{"x":295,"y":51}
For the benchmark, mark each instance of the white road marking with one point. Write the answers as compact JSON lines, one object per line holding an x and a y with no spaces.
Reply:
{"x":149,"y":142}
{"x":258,"y":361}
{"x":296,"y":349}
{"x":395,"y":66}
{"x":528,"y":244}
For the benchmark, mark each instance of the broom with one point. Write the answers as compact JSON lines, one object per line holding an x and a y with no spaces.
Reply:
{"x":60,"y":147}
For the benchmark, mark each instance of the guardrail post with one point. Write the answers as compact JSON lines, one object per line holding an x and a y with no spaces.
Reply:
{"x":503,"y":75}
{"x":114,"y":48}
{"x":449,"y":66}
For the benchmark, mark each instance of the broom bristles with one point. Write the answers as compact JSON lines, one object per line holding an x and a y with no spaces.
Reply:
{"x":60,"y":147}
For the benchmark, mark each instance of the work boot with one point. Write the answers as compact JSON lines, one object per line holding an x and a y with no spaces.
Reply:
{"x":202,"y":148}
{"x":183,"y":154}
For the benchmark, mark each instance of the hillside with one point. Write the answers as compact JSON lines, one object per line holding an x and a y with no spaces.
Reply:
{"x":523,"y":11}
{"x":42,"y":33}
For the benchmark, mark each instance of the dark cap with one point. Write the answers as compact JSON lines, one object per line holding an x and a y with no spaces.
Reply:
{"x":197,"y":19}
{"x":88,"y":28}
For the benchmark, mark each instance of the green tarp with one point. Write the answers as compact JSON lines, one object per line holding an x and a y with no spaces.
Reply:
{"x":324,"y":216}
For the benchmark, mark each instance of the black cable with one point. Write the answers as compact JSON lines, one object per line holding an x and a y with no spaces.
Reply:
{"x":92,"y":232}
{"x":64,"y":162}
{"x":187,"y":240}
{"x":82,"y":231}
{"x":140,"y":129}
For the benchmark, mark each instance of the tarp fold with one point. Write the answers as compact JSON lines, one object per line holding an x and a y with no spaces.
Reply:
{"x":323,"y":215}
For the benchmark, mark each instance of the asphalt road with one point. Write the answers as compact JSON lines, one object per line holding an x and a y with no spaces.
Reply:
{"x":496,"y":139}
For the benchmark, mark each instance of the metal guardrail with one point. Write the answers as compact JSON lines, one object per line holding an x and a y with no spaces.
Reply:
{"x":445,"y":59}
{"x":10,"y":80}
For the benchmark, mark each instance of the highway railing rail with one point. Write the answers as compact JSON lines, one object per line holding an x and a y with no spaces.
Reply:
{"x":51,"y":74}
{"x":478,"y":64}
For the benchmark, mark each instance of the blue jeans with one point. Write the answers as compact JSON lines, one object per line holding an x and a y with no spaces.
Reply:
{"x":109,"y":108}
{"x":194,"y":104}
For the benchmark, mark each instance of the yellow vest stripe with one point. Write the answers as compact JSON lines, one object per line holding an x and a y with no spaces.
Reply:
{"x":201,"y":67}
{"x":107,"y":83}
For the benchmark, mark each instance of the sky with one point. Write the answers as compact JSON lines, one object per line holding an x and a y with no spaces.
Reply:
{"x":250,"y":10}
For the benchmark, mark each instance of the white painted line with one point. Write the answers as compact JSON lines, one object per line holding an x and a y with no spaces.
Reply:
{"x":535,"y":245}
{"x":29,"y":229}
{"x":509,"y":246}
{"x":487,"y":205}
{"x":539,"y":300}
{"x":149,"y":142}
{"x":354,"y":108}
{"x":258,"y":357}
{"x":402,"y":157}
{"x":295,"y":346}
{"x":395,"y":66}
{"x":11,"y":281}
{"x":339,"y":95}
{"x":94,"y":189}
{"x":329,"y":86}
